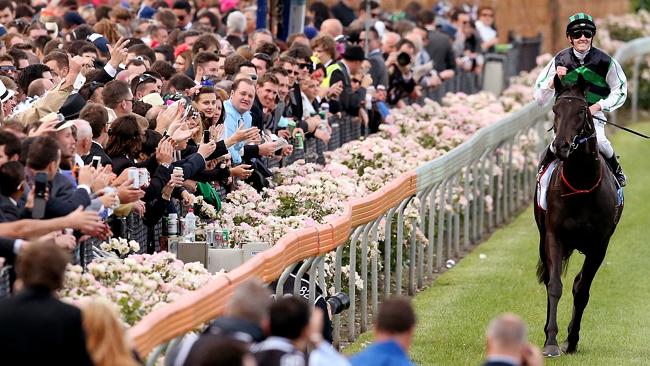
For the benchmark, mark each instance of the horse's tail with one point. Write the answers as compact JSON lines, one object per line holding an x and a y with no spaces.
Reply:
{"x":542,"y":270}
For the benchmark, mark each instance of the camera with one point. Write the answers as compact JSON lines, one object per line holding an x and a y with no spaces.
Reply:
{"x":40,"y":186}
{"x":339,"y":302}
{"x":403,"y":59}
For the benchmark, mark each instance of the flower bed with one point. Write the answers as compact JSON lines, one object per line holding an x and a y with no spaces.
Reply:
{"x":303,"y":195}
{"x":138,"y":283}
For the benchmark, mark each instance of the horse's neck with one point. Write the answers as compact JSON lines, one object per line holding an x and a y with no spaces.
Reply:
{"x":582,"y":168}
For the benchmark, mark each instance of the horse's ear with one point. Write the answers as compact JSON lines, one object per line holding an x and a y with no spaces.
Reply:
{"x":557,"y":84}
{"x":581,"y":84}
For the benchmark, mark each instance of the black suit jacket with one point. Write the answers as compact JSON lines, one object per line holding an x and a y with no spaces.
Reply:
{"x":97,"y":150}
{"x":9,"y":211}
{"x":38,"y":329}
{"x":350,"y":101}
{"x":64,"y":198}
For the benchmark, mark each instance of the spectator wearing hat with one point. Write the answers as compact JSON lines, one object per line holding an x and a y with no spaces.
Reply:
{"x":310,"y":32}
{"x":349,"y":101}
{"x":5,"y":96}
{"x":146,"y":11}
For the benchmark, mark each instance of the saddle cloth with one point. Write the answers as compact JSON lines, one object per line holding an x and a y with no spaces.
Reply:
{"x":544,"y":179}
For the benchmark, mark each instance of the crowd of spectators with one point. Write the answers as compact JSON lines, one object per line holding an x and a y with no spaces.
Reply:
{"x":123,"y":108}
{"x":113,"y":108}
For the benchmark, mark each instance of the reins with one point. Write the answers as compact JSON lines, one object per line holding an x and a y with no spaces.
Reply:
{"x":575,"y":191}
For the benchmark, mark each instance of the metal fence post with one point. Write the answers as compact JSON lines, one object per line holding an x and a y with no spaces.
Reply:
{"x":352,"y":284}
{"x":431,"y":231}
{"x":337,"y":287}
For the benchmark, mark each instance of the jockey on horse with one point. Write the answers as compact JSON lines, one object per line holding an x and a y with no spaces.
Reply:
{"x":607,"y":84}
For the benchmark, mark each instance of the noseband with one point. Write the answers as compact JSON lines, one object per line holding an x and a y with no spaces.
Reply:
{"x":580,"y":138}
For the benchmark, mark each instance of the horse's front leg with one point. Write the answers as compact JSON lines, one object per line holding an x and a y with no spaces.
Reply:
{"x":553,"y":292}
{"x":581,"y":287}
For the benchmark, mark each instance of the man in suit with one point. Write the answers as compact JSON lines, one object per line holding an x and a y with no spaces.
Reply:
{"x":97,"y":117}
{"x":378,"y":70}
{"x":12,"y":187}
{"x":507,"y":344}
{"x":35,"y":319}
{"x":44,"y":156}
{"x":350,"y":101}
{"x":439,"y":46}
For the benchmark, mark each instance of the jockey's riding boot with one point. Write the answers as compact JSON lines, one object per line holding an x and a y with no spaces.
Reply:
{"x":617,"y":170}
{"x":547,"y":158}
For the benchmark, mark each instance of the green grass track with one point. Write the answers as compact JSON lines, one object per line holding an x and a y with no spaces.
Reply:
{"x":454,"y":312}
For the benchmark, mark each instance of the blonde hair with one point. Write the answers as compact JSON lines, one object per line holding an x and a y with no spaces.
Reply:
{"x":105,"y":335}
{"x":108,"y":29}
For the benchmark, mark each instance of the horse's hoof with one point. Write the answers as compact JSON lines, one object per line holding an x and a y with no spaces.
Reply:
{"x":551,"y":351}
{"x":568,"y":348}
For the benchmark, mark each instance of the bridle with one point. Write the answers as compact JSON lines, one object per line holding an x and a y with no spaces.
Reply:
{"x":579,"y":139}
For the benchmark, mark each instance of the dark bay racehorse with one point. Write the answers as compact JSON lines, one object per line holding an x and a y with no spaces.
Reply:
{"x":582,"y":212}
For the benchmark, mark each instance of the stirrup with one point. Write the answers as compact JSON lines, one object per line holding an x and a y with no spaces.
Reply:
{"x":621,"y":178}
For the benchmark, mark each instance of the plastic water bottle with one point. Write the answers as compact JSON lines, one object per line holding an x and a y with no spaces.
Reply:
{"x":189,"y":230}
{"x":324,"y":108}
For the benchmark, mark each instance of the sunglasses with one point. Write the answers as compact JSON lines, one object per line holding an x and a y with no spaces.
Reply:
{"x":94,"y":85}
{"x":262,"y":56}
{"x":8,"y":68}
{"x":577,"y":34}
{"x":24,"y":46}
{"x":143,"y":78}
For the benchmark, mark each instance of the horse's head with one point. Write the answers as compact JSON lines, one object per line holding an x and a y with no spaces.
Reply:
{"x":573,"y":124}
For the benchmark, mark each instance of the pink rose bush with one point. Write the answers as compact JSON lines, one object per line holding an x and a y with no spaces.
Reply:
{"x":137,"y":284}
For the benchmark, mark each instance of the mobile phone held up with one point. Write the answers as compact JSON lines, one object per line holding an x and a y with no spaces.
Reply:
{"x":206,"y":136}
{"x":96,"y":161}
{"x":40,"y":187}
